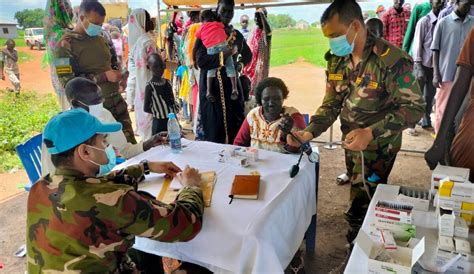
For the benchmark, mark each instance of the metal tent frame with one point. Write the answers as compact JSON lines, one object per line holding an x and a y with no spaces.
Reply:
{"x":240,"y":5}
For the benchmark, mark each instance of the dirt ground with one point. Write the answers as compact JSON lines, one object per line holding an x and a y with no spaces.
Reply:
{"x":306,"y":84}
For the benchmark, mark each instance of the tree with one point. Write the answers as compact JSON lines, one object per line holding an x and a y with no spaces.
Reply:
{"x":372,"y":14}
{"x":281,"y":21}
{"x":30,"y":18}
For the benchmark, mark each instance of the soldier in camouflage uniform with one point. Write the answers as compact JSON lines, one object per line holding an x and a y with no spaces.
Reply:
{"x":83,"y":52}
{"x":80,"y":222}
{"x":370,"y":86}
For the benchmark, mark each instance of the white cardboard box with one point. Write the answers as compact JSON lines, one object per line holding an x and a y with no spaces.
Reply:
{"x":456,"y":174}
{"x":406,"y":256}
{"x":418,"y":204}
{"x":446,"y":219}
{"x":461,"y":229}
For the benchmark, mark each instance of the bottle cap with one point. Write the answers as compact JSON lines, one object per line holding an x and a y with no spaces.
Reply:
{"x":172,"y":115}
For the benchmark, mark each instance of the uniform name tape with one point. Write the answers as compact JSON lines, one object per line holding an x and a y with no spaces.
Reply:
{"x":335,"y":77}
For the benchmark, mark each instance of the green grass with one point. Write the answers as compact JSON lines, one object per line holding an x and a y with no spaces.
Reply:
{"x":25,"y":57}
{"x":21,"y":117}
{"x":291,"y":45}
{"x":19,"y":41}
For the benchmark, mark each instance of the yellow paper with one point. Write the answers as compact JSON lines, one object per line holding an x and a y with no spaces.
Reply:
{"x":445,"y":188}
{"x":467,"y":217}
{"x":208,"y":180}
{"x":467,"y":206}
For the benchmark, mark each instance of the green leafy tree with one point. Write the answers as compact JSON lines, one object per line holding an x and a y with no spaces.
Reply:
{"x":30,"y":18}
{"x":371,"y":14}
{"x":278,"y":21}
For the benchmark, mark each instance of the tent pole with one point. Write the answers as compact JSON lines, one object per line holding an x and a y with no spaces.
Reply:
{"x":158,"y":22}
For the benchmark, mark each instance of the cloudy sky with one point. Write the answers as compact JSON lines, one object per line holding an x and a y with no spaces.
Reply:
{"x":308,"y":13}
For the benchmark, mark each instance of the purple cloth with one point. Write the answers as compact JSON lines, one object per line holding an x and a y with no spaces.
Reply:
{"x":424,"y":38}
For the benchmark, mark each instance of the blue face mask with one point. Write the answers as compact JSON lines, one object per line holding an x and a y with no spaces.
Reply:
{"x":340,"y":45}
{"x":105,"y":169}
{"x":92,"y":30}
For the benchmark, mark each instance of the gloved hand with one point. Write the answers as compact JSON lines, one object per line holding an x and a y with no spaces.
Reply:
{"x":418,"y":72}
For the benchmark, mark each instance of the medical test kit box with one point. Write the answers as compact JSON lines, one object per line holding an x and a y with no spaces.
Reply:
{"x":456,"y":174}
{"x":402,"y":258}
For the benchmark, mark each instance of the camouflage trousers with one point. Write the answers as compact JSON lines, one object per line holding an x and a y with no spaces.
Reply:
{"x":115,"y":103}
{"x":379,"y":158}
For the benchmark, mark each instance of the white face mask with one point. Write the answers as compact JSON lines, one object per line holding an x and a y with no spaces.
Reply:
{"x":96,"y":110}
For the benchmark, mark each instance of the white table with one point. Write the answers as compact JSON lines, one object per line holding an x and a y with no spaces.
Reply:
{"x":247,"y":236}
{"x":426,"y":226}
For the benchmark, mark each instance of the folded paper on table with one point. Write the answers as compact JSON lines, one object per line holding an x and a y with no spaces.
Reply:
{"x":171,"y":187}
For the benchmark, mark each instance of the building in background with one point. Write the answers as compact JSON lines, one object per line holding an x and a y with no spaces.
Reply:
{"x":8,"y":30}
{"x":115,"y":9}
{"x":302,"y":25}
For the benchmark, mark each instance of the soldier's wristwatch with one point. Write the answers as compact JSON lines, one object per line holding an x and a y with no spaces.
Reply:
{"x":146,"y":167}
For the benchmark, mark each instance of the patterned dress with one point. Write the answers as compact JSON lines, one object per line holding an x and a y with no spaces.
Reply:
{"x":257,"y":132}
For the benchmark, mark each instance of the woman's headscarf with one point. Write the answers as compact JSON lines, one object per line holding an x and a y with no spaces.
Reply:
{"x":136,"y":26}
{"x":59,"y":16}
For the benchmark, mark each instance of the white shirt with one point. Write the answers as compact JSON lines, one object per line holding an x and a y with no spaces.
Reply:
{"x":116,"y":139}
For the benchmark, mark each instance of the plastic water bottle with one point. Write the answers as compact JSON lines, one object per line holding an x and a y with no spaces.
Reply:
{"x":174,"y":133}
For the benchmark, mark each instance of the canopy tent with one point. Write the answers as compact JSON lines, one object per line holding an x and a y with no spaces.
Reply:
{"x":113,"y":1}
{"x":239,"y":2}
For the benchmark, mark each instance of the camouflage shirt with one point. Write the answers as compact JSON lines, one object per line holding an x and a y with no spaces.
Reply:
{"x":380,"y":93}
{"x":83,"y":224}
{"x":80,"y":55}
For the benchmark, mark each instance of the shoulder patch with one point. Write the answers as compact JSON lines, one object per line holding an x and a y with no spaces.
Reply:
{"x":405,"y":80}
{"x":63,"y":66}
{"x":389,"y":54}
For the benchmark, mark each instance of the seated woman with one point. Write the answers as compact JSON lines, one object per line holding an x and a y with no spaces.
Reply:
{"x":261,"y":128}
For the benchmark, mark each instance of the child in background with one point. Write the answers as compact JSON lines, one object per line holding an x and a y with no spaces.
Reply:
{"x":118,"y":45}
{"x":375,"y":26}
{"x":9,"y":64}
{"x":214,"y":38}
{"x":159,"y":98}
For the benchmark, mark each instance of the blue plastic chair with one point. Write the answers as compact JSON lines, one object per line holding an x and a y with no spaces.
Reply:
{"x":30,"y":156}
{"x":306,"y":118}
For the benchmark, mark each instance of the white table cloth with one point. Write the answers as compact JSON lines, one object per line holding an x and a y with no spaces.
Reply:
{"x":426,"y":226}
{"x":247,"y":236}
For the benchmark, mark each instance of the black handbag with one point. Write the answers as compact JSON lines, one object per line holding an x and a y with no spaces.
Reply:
{"x":246,"y":86}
